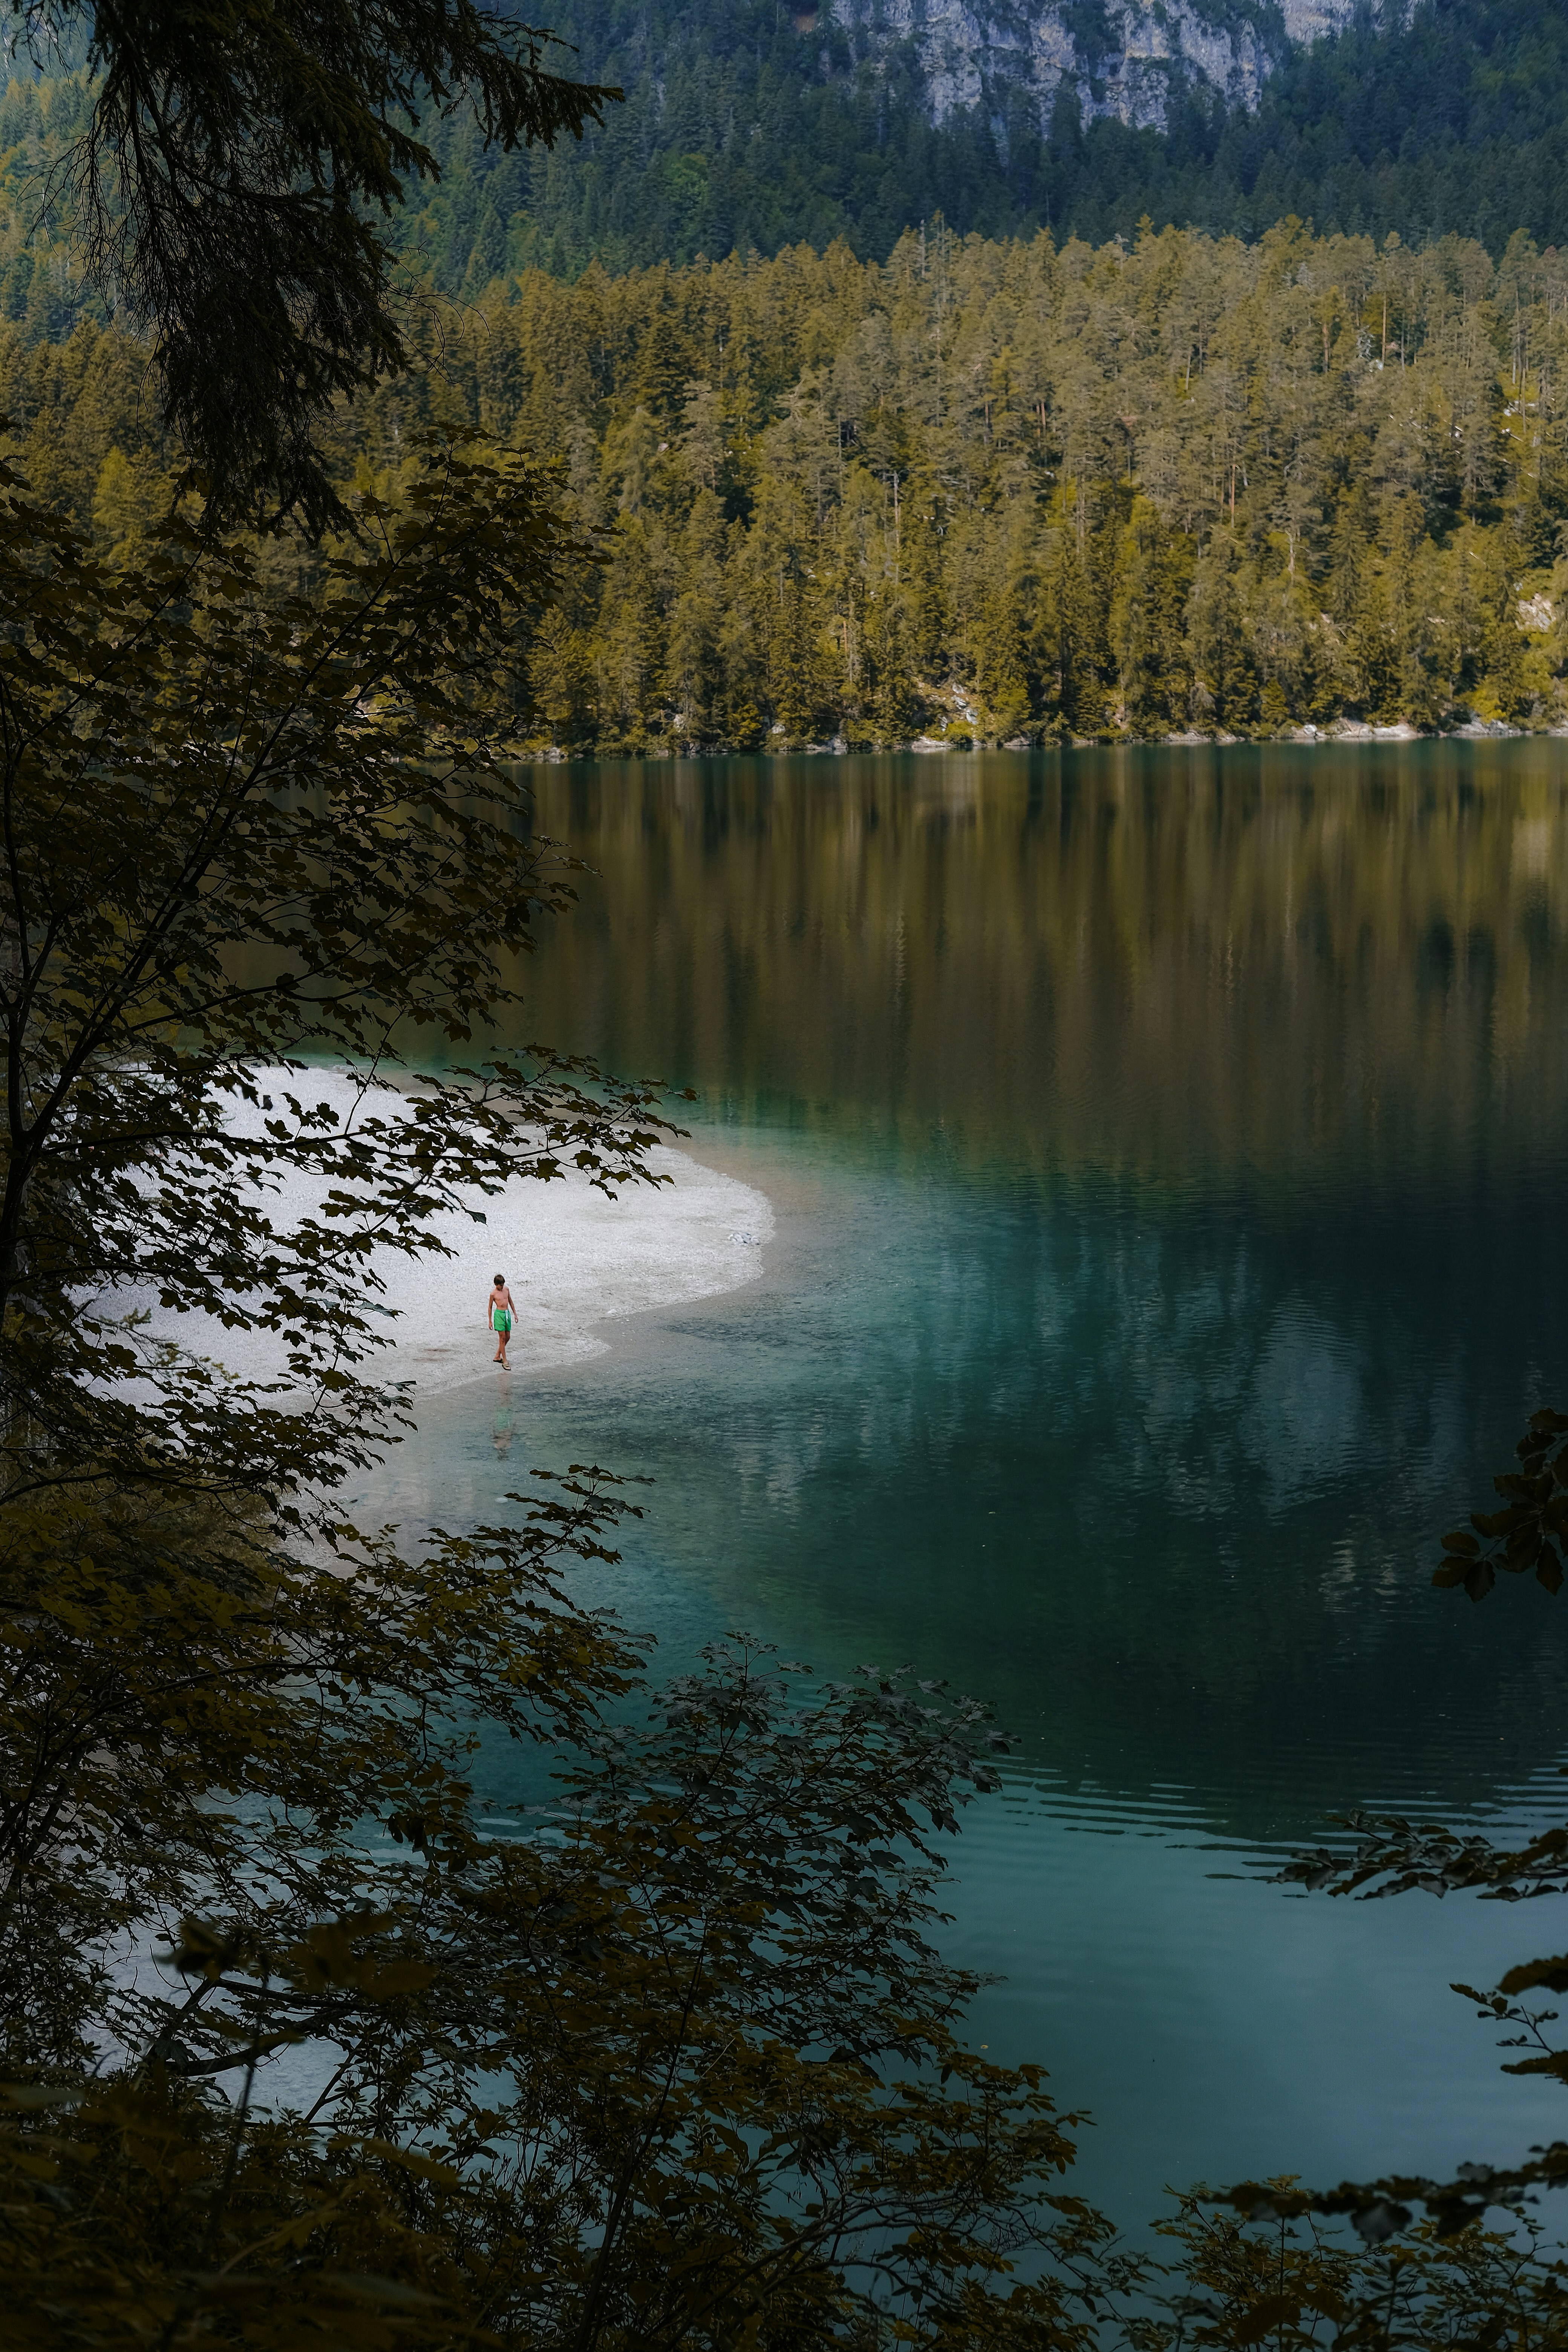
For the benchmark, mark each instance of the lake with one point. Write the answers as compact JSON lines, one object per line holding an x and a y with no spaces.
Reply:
{"x":1167,"y":1149}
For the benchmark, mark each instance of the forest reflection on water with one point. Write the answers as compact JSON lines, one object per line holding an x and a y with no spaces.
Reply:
{"x":1168,"y":1151}
{"x":1168,"y":966}
{"x":1188,"y":1131}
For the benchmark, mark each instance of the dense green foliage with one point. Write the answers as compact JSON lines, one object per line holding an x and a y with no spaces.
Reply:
{"x":428,"y":141}
{"x":222,"y":171}
{"x":755,"y":127}
{"x":985,"y":490}
{"x":751,"y":127}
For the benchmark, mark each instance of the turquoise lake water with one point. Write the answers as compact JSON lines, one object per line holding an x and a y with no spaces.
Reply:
{"x":1168,"y":1153}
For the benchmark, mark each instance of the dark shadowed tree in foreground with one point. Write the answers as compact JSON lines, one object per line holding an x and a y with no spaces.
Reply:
{"x":234,"y":185}
{"x":238,"y":829}
{"x":301,"y":2044}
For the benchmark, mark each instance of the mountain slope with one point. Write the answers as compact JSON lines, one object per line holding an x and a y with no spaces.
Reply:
{"x":748,"y":128}
{"x":745,"y":127}
{"x":1125,"y":56}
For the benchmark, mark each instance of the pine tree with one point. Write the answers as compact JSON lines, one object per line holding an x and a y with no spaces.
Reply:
{"x":693,"y":657}
{"x":127,"y":500}
{"x":1148,"y":623}
{"x":1224,"y":680}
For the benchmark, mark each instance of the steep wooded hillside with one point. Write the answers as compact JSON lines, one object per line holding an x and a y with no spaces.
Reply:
{"x":750,"y":128}
{"x":745,"y":127}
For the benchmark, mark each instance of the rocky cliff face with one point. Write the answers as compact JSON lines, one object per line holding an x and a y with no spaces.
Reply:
{"x":1122,"y":53}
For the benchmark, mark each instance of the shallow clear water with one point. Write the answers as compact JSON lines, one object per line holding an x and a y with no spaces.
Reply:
{"x":1168,"y":1151}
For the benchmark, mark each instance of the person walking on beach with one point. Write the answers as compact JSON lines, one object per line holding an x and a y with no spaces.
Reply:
{"x":502,"y":1312}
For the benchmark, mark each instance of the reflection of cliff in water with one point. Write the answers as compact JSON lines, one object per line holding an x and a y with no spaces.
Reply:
{"x":1159,"y":963}
{"x":1209,"y":1253}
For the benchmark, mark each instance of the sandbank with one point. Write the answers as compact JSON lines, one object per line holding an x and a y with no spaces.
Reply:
{"x":575,"y":1259}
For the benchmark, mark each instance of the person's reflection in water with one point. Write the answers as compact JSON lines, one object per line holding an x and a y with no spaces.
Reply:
{"x":500,"y":1433}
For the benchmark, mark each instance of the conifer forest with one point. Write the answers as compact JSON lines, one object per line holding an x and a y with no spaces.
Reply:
{"x":993,"y":491}
{"x":1011,"y":1261}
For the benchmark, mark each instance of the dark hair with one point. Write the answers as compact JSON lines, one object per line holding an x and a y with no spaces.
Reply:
{"x":500,"y":1280}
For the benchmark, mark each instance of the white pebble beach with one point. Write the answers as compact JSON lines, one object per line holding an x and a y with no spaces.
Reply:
{"x":575,"y":1259}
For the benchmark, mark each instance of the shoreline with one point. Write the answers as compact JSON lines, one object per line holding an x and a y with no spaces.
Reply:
{"x":575,"y":1259}
{"x":592,"y":1260}
{"x":1306,"y":736}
